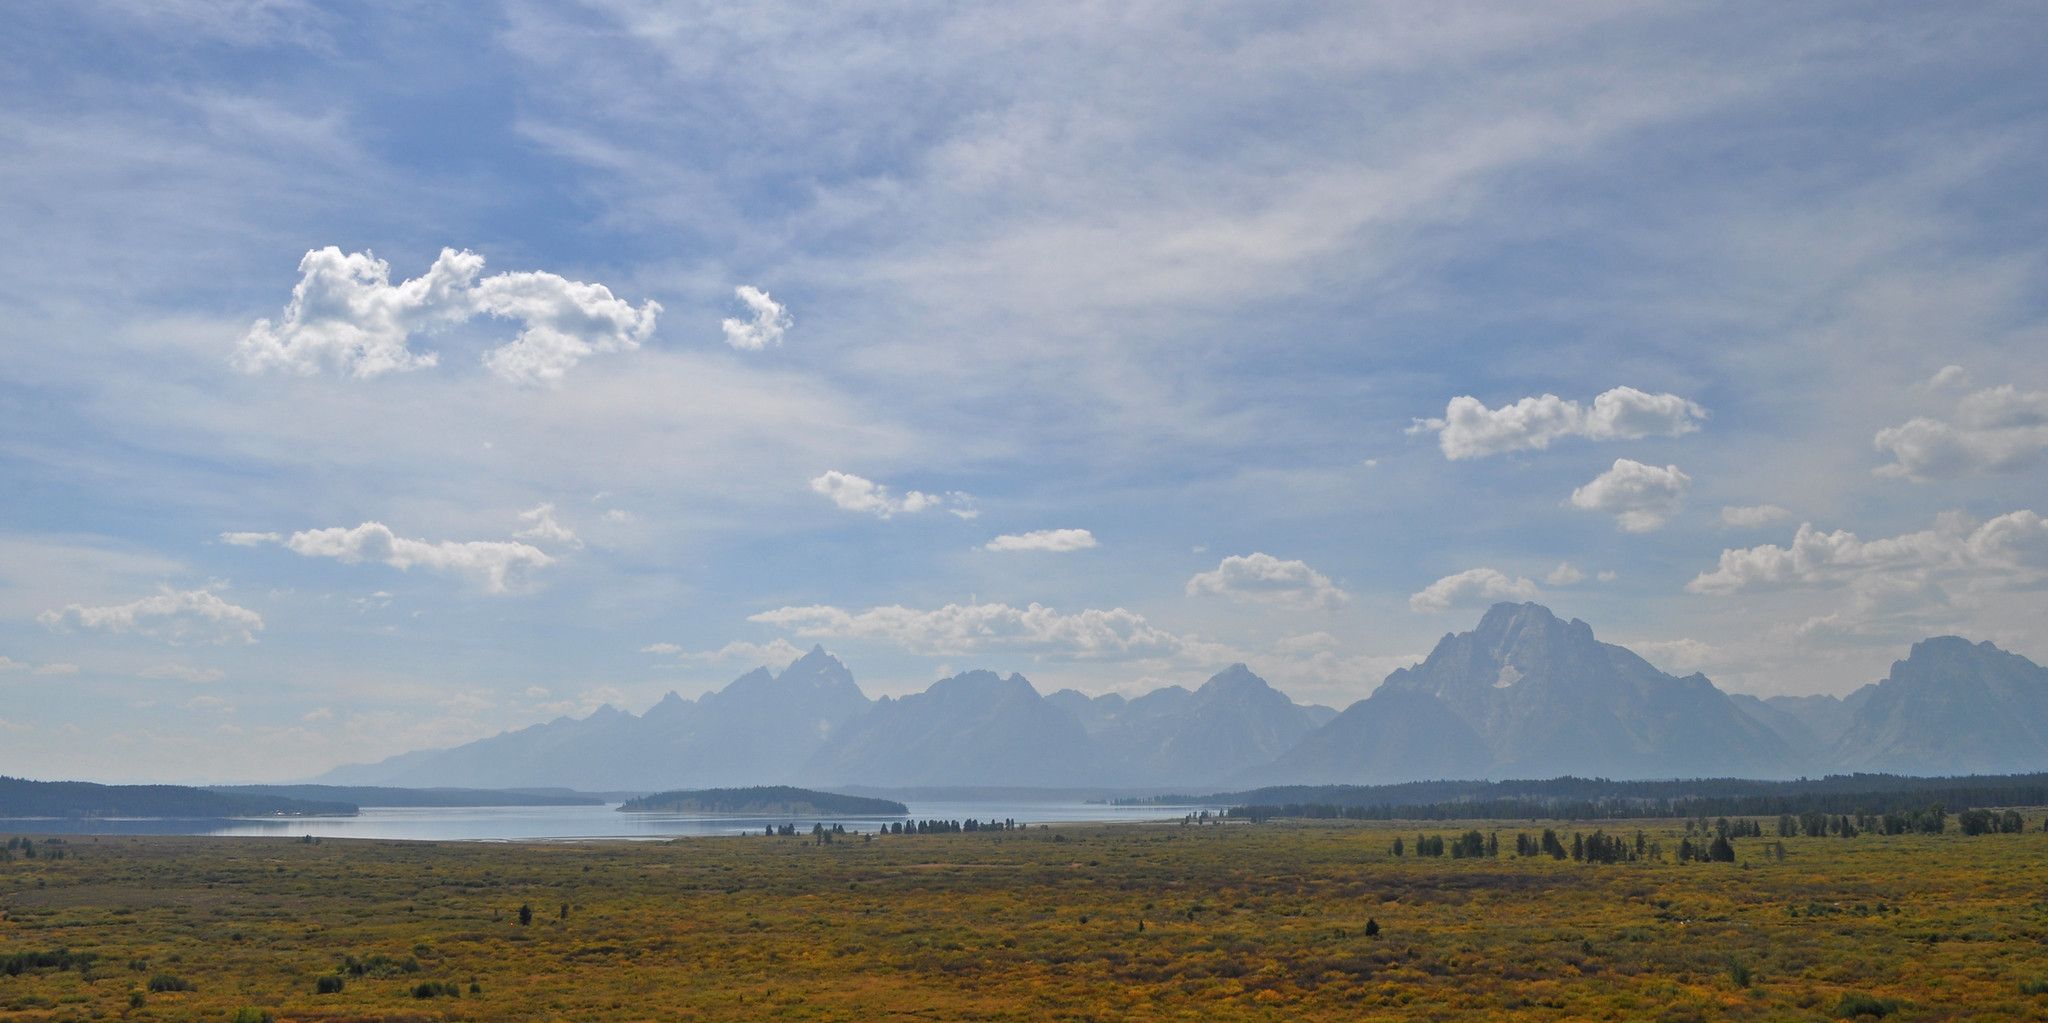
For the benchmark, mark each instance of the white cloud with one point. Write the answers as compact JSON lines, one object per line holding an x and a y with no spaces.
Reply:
{"x":346,"y":315}
{"x":250,"y":539}
{"x":318,"y":714}
{"x":859,"y":494}
{"x":2013,"y":545}
{"x":1750,"y":516}
{"x":10,"y":664}
{"x":1948,"y":376}
{"x":770,"y":321}
{"x":1564,"y":574}
{"x":661,"y":648}
{"x":968,"y":628}
{"x":1473,"y":584}
{"x":58,"y":668}
{"x":183,"y":673}
{"x":1640,"y":497}
{"x":1469,"y":429}
{"x":501,"y":566}
{"x":174,"y":616}
{"x":544,"y":528}
{"x":1607,"y":575}
{"x":1998,"y":429}
{"x":1052,"y":540}
{"x":1267,"y":579}
{"x":564,"y":322}
{"x":774,"y":653}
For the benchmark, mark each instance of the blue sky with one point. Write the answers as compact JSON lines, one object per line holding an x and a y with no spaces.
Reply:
{"x":1286,"y":334}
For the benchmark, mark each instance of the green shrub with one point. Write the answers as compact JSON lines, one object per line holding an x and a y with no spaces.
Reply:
{"x":437,"y":989}
{"x":2036,"y":986}
{"x":251,"y":1014}
{"x":169,"y":982}
{"x":1857,"y":1004}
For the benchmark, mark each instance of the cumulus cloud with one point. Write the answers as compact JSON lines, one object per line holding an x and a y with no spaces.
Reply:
{"x":1640,"y":497}
{"x":174,"y":616}
{"x":2013,"y":545}
{"x":1266,"y":579}
{"x":250,"y":539}
{"x":1051,"y":540}
{"x":770,"y":321}
{"x":500,"y":566}
{"x":1998,"y":429}
{"x":859,"y":494}
{"x":542,"y":527}
{"x":969,"y":628}
{"x":1471,"y":585}
{"x":346,"y":315}
{"x":1564,"y":574}
{"x":1750,"y":516}
{"x":1469,"y":429}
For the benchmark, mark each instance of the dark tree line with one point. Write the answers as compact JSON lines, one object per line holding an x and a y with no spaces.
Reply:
{"x":1856,"y":796}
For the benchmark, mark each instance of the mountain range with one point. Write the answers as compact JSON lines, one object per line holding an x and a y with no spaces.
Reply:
{"x":1525,"y":694}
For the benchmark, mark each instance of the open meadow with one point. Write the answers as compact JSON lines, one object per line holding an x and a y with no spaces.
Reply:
{"x":1273,"y":921}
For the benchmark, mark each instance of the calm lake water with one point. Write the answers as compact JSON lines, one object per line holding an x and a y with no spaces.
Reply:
{"x":527,"y":823}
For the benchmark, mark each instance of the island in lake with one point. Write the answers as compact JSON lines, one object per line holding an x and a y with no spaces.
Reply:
{"x":767,"y":800}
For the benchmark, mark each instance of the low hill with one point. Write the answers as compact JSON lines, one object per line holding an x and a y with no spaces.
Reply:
{"x":372,"y":795}
{"x":20,"y":797}
{"x":771,"y":800}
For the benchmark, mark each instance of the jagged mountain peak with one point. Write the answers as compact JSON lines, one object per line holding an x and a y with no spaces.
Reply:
{"x":1237,"y":676}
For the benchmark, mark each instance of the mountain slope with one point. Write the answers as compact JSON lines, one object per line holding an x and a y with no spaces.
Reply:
{"x":1542,"y":697}
{"x":975,"y":728}
{"x":1951,"y":707}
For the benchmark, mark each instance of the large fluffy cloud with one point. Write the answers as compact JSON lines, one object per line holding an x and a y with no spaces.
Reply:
{"x":1640,"y":497}
{"x":969,"y":628}
{"x":500,"y":566}
{"x":1469,"y":429}
{"x":1058,"y":541}
{"x":346,"y":315}
{"x":770,"y":320}
{"x":1998,"y":429}
{"x":860,"y":494}
{"x":2013,"y":545}
{"x":1473,"y":584}
{"x":174,"y":616}
{"x":1267,"y":579}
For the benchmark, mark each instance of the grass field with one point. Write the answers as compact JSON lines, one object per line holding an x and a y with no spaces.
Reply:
{"x":1242,"y":921}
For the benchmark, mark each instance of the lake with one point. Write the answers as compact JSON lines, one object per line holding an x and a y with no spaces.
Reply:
{"x":544,"y":823}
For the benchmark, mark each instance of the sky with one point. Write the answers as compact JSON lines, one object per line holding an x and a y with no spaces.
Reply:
{"x":384,"y":376}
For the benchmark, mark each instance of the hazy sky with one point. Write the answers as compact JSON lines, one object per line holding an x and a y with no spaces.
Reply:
{"x":383,"y":376}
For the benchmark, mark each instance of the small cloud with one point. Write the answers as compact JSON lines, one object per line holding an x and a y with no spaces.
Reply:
{"x":56,"y":669}
{"x":1050,"y":540}
{"x":618,"y":515}
{"x":542,"y":527}
{"x":774,"y":652}
{"x":1264,"y":578}
{"x":770,"y":321}
{"x":859,"y":494}
{"x":212,"y":703}
{"x":1564,"y":574}
{"x":1607,"y":576}
{"x":1471,"y":585}
{"x":1469,"y":429}
{"x":1640,"y":497}
{"x":1750,"y":516}
{"x":1370,"y":463}
{"x":317,"y":714}
{"x":183,"y":673}
{"x":251,"y":539}
{"x":174,"y":616}
{"x":1948,"y":376}
{"x":661,"y":648}
{"x":501,"y":566}
{"x":536,"y":692}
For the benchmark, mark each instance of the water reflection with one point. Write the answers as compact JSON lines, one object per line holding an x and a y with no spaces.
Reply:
{"x":527,"y":823}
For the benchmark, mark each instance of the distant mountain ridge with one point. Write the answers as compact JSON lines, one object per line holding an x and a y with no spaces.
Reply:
{"x":1523,"y":694}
